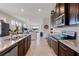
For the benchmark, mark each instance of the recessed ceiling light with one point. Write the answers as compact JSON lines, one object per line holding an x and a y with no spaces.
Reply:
{"x":39,"y":10}
{"x":22,"y":10}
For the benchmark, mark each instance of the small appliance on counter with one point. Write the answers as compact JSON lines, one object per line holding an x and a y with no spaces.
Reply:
{"x":69,"y":35}
{"x":4,"y":29}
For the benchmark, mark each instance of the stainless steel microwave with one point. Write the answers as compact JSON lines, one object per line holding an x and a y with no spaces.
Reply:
{"x":60,"y":21}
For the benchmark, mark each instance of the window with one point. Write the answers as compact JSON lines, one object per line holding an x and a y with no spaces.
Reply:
{"x":12,"y":22}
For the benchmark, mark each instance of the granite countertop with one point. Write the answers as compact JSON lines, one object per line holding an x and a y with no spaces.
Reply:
{"x":6,"y":42}
{"x":73,"y":44}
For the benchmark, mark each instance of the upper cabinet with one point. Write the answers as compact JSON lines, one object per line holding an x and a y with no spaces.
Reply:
{"x":66,"y":14}
{"x":73,"y":13}
{"x":77,"y":13}
{"x":57,"y":10}
{"x":61,"y":15}
{"x":60,"y":9}
{"x":73,"y":10}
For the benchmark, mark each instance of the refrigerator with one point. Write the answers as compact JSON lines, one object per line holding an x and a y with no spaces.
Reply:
{"x":4,"y":29}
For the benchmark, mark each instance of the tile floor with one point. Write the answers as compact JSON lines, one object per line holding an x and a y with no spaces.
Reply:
{"x":40,"y":47}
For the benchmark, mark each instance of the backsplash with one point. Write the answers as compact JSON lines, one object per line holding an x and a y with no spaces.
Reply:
{"x":73,"y":28}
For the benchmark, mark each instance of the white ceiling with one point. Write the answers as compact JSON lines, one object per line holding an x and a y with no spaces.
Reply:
{"x":30,"y":13}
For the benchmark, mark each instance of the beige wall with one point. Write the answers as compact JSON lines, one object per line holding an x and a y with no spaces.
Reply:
{"x":46,"y":21}
{"x":8,"y":18}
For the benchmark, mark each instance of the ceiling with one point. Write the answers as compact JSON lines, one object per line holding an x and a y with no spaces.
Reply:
{"x":28,"y":12}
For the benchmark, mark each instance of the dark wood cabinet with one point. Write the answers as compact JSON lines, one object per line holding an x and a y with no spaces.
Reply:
{"x":62,"y":8}
{"x":21,"y":48}
{"x":77,"y":54}
{"x":61,"y":15}
{"x":24,"y":45}
{"x":70,"y":11}
{"x":73,"y":11}
{"x":77,"y":13}
{"x":54,"y":45}
{"x":28,"y":41}
{"x":65,"y":51}
{"x":57,"y":10}
{"x":60,"y":48}
{"x":61,"y":52}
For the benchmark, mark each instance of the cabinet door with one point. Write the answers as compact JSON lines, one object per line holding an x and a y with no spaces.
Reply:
{"x":72,"y":13}
{"x":54,"y":45}
{"x":77,"y":13}
{"x":26,"y":45}
{"x":77,"y":54}
{"x":57,"y":10}
{"x":23,"y":45}
{"x":20,"y":48}
{"x":62,"y":5}
{"x":28,"y":42}
{"x":65,"y":51}
{"x":61,"y":52}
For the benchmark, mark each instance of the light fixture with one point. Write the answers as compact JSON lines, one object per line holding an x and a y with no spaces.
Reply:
{"x":39,"y":9}
{"x":22,"y":10}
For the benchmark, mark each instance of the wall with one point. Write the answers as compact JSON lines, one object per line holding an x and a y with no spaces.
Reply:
{"x":7,"y":18}
{"x":46,"y":21}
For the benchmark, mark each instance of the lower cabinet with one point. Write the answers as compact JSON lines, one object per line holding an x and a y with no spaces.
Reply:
{"x":77,"y":54}
{"x":65,"y":51}
{"x":24,"y":45}
{"x":54,"y":45}
{"x":29,"y":41}
{"x":61,"y":52}
{"x":21,"y":48}
{"x":61,"y":49}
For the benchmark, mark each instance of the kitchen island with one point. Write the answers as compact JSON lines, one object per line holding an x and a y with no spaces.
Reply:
{"x":17,"y":45}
